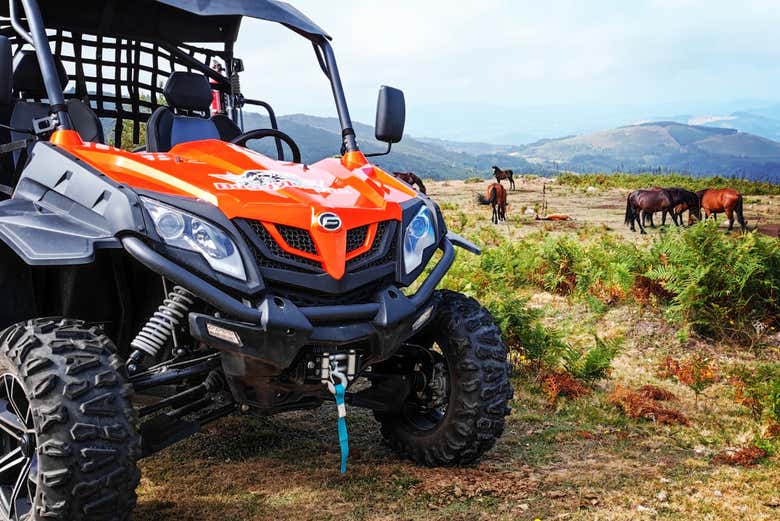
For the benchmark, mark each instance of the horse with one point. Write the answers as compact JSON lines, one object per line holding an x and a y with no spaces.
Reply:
{"x":504,"y":174}
{"x":723,"y":200}
{"x":412,"y":180}
{"x":683,"y":200}
{"x":496,"y":197}
{"x":640,"y":202}
{"x":648,"y":217}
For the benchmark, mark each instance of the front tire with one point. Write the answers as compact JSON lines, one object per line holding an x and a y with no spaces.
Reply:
{"x":478,"y":390}
{"x":65,"y":414}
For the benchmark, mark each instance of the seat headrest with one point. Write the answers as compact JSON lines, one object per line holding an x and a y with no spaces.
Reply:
{"x":188,"y":91}
{"x":28,"y":78}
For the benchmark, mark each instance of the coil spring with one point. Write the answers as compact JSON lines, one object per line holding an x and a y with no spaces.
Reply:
{"x":162,"y":326}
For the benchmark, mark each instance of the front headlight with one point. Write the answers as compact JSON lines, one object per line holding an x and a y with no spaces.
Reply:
{"x":188,"y":232}
{"x":419,"y":236}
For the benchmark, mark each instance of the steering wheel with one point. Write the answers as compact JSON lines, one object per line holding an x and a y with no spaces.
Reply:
{"x":246,"y":137}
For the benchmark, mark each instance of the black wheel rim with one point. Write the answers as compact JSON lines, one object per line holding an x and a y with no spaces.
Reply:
{"x":429,"y":407}
{"x":18,"y":450}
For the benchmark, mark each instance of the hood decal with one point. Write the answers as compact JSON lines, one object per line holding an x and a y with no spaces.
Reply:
{"x":268,"y":180}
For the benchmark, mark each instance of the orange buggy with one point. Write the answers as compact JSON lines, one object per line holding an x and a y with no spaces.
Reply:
{"x":148,"y":293}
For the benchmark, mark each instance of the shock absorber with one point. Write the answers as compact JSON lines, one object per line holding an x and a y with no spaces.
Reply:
{"x":160,"y":328}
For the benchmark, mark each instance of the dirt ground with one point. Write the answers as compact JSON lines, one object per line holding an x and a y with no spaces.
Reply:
{"x":589,"y":206}
{"x":579,"y":460}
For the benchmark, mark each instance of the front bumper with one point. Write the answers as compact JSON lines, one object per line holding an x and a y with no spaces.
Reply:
{"x":272,"y":335}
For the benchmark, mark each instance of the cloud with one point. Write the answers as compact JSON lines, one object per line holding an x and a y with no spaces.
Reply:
{"x":526,"y":52}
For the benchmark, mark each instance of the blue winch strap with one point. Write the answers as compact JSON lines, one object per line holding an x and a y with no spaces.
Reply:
{"x":343,"y":436}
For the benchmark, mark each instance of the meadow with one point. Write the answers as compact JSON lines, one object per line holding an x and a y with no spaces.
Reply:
{"x":646,"y":369}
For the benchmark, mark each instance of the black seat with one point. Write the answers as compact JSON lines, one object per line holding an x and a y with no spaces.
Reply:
{"x":29,"y":90}
{"x":186,"y":118}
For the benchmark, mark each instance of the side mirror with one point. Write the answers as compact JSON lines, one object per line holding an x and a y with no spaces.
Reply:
{"x":390,"y":117}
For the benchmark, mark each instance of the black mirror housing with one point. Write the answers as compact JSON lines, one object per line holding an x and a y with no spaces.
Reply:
{"x":390,"y":115}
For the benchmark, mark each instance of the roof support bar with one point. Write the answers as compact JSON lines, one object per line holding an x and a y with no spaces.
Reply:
{"x":46,"y":60}
{"x":347,"y":132}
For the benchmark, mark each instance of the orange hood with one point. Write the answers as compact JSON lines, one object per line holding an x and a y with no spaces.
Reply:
{"x":249,"y":185}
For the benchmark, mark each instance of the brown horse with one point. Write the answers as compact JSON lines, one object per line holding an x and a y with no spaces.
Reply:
{"x":641,"y":202}
{"x":500,"y":175}
{"x":496,"y":197}
{"x":412,"y":180}
{"x":724,"y":200}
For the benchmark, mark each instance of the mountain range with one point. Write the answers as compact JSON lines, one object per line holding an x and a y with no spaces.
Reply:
{"x":708,"y":148}
{"x":320,"y":137}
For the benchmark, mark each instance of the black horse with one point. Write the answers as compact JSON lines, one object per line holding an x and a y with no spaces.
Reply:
{"x":642,"y":202}
{"x":412,"y":180}
{"x":500,"y":175}
{"x":682,"y":200}
{"x":685,"y":200}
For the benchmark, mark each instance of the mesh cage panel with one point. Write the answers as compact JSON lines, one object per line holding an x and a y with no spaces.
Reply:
{"x":123,"y":80}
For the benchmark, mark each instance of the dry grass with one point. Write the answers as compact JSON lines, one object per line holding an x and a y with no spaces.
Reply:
{"x":560,"y":384}
{"x":582,"y":460}
{"x":644,"y":404}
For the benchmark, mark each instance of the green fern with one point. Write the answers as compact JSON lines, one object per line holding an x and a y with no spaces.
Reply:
{"x":595,"y":363}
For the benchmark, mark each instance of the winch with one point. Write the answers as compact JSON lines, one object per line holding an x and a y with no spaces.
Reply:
{"x":344,"y":363}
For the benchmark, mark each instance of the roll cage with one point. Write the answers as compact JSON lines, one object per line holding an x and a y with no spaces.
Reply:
{"x":119,"y":53}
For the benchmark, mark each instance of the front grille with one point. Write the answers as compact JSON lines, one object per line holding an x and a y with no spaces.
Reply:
{"x":278,"y":259}
{"x":269,"y":254}
{"x":298,"y":238}
{"x":364,"y":261}
{"x":356,"y":238}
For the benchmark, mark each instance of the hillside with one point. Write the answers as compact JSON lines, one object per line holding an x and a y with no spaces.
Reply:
{"x":564,"y":455}
{"x":321,"y":137}
{"x":670,"y":145}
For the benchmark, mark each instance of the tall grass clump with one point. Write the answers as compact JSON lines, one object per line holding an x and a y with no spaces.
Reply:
{"x":723,"y":287}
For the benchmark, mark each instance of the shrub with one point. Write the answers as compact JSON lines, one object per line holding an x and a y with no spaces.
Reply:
{"x":745,"y":457}
{"x":557,"y":384}
{"x":759,"y":391}
{"x":638,"y":405}
{"x":595,"y":363}
{"x":473,"y":180}
{"x":724,"y":288}
{"x":697,"y":372}
{"x":531,"y":345}
{"x":651,"y":392}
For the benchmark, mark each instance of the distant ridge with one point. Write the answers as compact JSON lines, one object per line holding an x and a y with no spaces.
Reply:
{"x":670,"y":145}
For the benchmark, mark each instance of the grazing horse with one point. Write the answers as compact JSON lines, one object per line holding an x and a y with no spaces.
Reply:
{"x":724,"y":200}
{"x":496,"y":197}
{"x":684,"y":200}
{"x":504,"y":174}
{"x":412,"y":180}
{"x":648,"y":217}
{"x":641,"y":202}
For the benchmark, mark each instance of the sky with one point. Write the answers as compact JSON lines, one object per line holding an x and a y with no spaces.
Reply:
{"x":669,"y":54}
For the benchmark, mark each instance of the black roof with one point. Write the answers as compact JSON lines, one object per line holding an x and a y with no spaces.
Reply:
{"x":271,"y":10}
{"x":175,"y":21}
